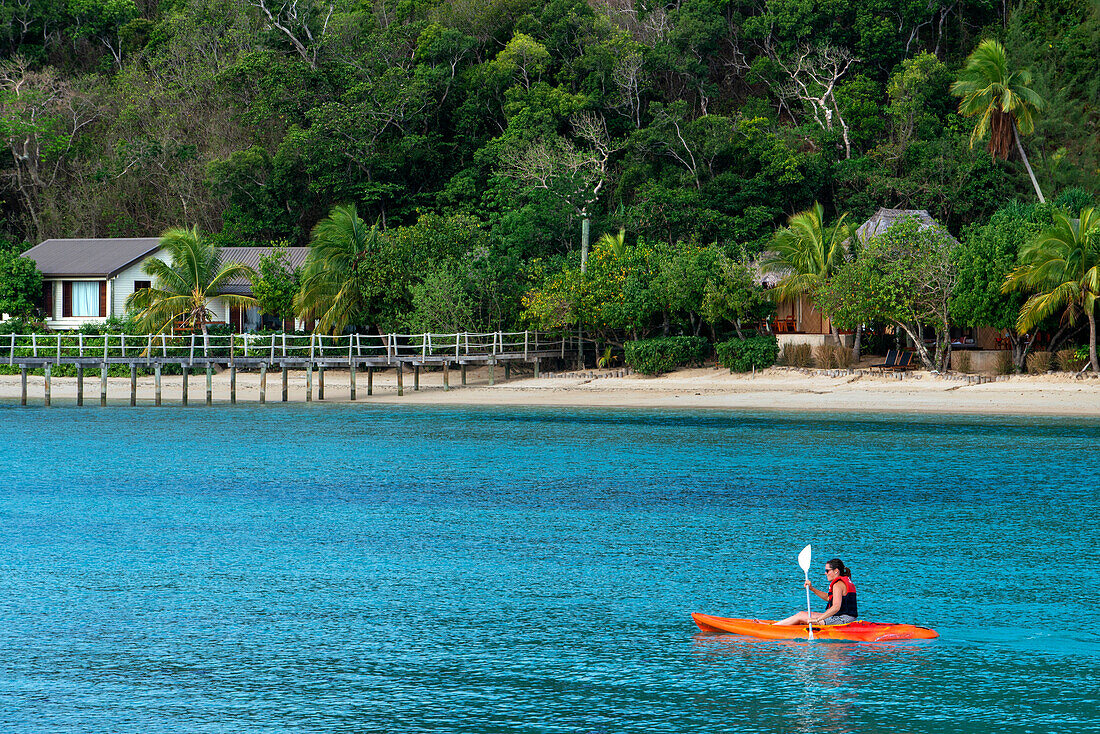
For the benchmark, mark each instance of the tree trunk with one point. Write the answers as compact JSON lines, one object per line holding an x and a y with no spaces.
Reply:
{"x":585,"y":229}
{"x":1092,"y":341}
{"x":918,"y":344}
{"x":1065,"y":333}
{"x":856,"y":346}
{"x":1027,"y":164}
{"x":205,"y":340}
{"x":1020,"y":348}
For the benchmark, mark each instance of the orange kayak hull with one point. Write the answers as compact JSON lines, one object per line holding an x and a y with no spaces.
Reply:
{"x":857,"y":631}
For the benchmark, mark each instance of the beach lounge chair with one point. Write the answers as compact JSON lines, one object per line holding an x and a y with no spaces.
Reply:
{"x":890,"y":363}
{"x":905,"y":362}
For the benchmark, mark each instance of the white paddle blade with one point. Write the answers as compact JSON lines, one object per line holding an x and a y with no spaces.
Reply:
{"x":804,"y":559}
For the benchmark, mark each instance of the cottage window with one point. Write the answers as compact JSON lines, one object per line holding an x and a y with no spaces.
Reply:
{"x":85,"y":298}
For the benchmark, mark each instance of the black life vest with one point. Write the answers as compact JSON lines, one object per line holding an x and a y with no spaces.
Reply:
{"x":848,"y":601}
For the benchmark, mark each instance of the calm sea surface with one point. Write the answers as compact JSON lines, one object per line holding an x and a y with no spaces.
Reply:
{"x":392,"y":569}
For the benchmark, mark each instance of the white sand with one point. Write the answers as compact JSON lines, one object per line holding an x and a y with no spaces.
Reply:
{"x":776,"y":389}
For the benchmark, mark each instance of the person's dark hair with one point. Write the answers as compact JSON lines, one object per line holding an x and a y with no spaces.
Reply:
{"x":838,"y":565}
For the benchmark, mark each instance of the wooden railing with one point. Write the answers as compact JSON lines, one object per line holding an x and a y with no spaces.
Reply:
{"x":376,"y":349}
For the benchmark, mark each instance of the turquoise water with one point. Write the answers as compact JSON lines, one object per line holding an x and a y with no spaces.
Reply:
{"x":353,"y":568}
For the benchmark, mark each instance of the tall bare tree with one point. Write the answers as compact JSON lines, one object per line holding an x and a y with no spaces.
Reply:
{"x":813,"y":73}
{"x":303,"y":22}
{"x":574,"y":174}
{"x":40,"y":116}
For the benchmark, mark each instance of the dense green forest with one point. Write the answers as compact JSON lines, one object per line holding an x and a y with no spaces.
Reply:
{"x":480,"y":134}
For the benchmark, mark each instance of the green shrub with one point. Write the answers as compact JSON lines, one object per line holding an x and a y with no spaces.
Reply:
{"x":742,"y":355}
{"x":797,"y":355}
{"x":654,"y":356}
{"x":1038,"y":363}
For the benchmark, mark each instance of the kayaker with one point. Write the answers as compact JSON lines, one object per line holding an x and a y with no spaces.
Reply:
{"x":841,"y":597}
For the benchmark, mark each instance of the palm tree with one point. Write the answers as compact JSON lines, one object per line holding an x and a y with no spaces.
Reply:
{"x":335,"y":274}
{"x":1062,"y":266}
{"x":1004,"y":101}
{"x":806,"y":253}
{"x":182,"y":289}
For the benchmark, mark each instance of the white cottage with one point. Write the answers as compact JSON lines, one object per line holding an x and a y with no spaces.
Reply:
{"x":88,"y":280}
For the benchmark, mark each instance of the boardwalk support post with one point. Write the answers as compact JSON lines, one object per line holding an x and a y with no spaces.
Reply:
{"x":103,"y":384}
{"x":370,"y":381}
{"x":47,"y":385}
{"x":23,"y":384}
{"x":320,"y":382}
{"x":209,"y":383}
{"x":184,"y":393}
{"x":285,"y":381}
{"x":492,"y":371}
{"x":263,"y":383}
{"x":351,"y":380}
{"x":79,"y":385}
{"x":233,"y":383}
{"x":507,"y":371}
{"x":133,"y":385}
{"x":400,"y":380}
{"x":309,"y":382}
{"x":416,"y":377}
{"x":446,"y":376}
{"x":463,"y":370}
{"x":156,"y":388}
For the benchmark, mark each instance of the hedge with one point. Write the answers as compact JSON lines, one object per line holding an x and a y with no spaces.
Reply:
{"x":742,"y":355}
{"x":654,"y":356}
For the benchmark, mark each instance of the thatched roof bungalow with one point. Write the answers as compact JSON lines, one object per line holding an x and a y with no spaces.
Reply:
{"x":799,"y":320}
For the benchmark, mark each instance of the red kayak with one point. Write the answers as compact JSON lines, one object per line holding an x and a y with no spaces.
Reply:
{"x":852,"y":632}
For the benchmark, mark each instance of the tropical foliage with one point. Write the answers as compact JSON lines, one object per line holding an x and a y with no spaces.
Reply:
{"x":1061,"y":268}
{"x":338,"y":280}
{"x":806,"y":252}
{"x":654,"y":356}
{"x":20,"y":284}
{"x":904,"y":276}
{"x":448,"y":159}
{"x":1001,"y":99}
{"x":276,"y":283}
{"x":183,"y":287}
{"x":744,"y":355}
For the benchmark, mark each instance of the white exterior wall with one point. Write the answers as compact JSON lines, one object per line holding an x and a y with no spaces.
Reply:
{"x":220,"y":309}
{"x":119,"y":288}
{"x":815,"y":340}
{"x":123,"y":285}
{"x":59,"y":322}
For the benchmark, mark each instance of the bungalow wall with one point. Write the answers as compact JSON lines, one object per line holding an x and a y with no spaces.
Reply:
{"x":126,"y":282}
{"x":72,"y":302}
{"x":800,"y":316}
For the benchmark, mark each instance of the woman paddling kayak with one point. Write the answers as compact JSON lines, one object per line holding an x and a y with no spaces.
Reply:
{"x":841,"y":595}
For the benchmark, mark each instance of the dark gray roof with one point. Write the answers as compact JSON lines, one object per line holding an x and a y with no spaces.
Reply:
{"x":90,"y":258}
{"x":250,"y":256}
{"x":882,"y":220}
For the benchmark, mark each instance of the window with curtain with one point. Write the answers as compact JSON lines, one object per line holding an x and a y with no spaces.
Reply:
{"x":85,"y":298}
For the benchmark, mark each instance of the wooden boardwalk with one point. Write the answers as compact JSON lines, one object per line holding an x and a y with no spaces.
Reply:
{"x":314,"y":352}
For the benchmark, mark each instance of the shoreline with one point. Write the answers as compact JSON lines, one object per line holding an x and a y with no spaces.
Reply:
{"x":778,"y":389}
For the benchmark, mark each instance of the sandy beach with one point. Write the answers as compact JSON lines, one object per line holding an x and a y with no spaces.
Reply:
{"x":773,"y":389}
